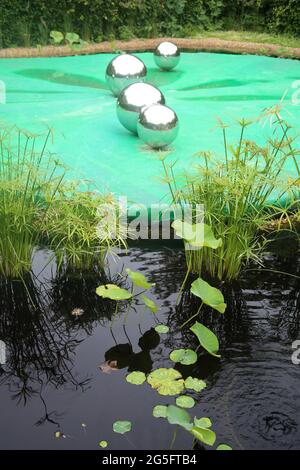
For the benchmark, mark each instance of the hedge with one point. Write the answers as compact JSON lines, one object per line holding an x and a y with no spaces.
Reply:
{"x":29,"y":22}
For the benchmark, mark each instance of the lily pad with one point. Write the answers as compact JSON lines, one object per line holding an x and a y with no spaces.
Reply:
{"x":207,"y":338}
{"x":166,"y":381}
{"x":160,"y":411}
{"x":139,"y":279}
{"x":184,"y":356}
{"x":207,"y":436}
{"x":162,"y":329}
{"x":103,"y":444}
{"x":224,"y":447}
{"x":198,"y":235}
{"x":202,"y":422}
{"x":179,"y":416}
{"x":136,"y":378}
{"x":209,"y":295}
{"x":192,"y":383}
{"x":185,"y":401}
{"x":121,"y":427}
{"x":113,"y":292}
{"x":149,"y":303}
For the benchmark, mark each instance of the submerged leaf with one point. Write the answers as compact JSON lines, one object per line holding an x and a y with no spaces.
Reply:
{"x":121,"y":427}
{"x":136,"y":378}
{"x":162,"y":329}
{"x":192,"y":383}
{"x":208,"y":294}
{"x":185,"y":402}
{"x":160,"y":411}
{"x":113,"y":292}
{"x":166,"y":381}
{"x":198,"y":235}
{"x":207,"y":436}
{"x":149,"y":303}
{"x":139,"y":279}
{"x":184,"y":356}
{"x":207,"y":338}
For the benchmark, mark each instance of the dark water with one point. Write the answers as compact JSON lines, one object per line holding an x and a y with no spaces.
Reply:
{"x":52,"y":382}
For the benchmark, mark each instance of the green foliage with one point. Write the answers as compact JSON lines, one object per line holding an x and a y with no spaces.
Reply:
{"x":185,"y":402}
{"x":184,"y":356}
{"x":207,"y":338}
{"x":162,"y":329}
{"x":166,"y":381}
{"x":113,"y":292}
{"x":27,"y":24}
{"x":121,"y":427}
{"x":208,"y":294}
{"x":136,"y":378}
{"x":160,"y":411}
{"x":192,"y":383}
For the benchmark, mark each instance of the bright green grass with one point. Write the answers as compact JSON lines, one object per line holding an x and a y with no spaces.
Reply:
{"x":252,"y":36}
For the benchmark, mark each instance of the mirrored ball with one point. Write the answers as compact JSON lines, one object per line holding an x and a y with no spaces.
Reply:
{"x":166,"y":55}
{"x":124,"y":70}
{"x":133,"y":99}
{"x":158,"y":126}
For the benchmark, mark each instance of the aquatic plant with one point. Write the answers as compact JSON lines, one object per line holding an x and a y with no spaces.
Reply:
{"x":236,"y":195}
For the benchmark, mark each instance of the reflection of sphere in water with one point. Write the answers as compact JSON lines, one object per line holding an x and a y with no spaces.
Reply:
{"x":133,"y":99}
{"x":166,"y":55}
{"x":124,"y":70}
{"x":158,"y":126}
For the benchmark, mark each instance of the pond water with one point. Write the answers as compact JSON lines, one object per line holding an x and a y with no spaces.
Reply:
{"x":52,"y":381}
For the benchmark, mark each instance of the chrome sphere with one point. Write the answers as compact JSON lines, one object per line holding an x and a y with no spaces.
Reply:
{"x":166,"y":55}
{"x":133,"y":99}
{"x":158,"y":126}
{"x":124,"y":70}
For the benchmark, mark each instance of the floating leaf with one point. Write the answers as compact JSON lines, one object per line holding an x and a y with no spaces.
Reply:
{"x":207,"y":436}
{"x":179,"y":416}
{"x":138,"y":279}
{"x":209,"y":295}
{"x":121,"y":427}
{"x":57,"y":36}
{"x":202,"y":422}
{"x":103,"y":444}
{"x":184,"y":356}
{"x":162,"y":329}
{"x":113,"y":292}
{"x":166,"y":381}
{"x":136,"y":378}
{"x":185,"y":401}
{"x":207,"y":338}
{"x":192,"y":383}
{"x":160,"y":411}
{"x":198,"y":235}
{"x":149,"y":303}
{"x":224,"y":447}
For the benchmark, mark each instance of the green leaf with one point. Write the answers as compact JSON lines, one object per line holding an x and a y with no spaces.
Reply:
{"x":136,"y":378}
{"x":202,"y":422}
{"x":198,"y":235}
{"x":149,"y":303}
{"x":72,"y":38}
{"x":185,"y":401}
{"x":166,"y":381}
{"x":184,"y":356}
{"x":179,"y":416}
{"x":207,"y":436}
{"x":138,"y":279}
{"x":121,"y":427}
{"x":192,"y":383}
{"x":113,"y":292}
{"x":57,"y":36}
{"x":160,"y":411}
{"x":208,"y":294}
{"x":162,"y":329}
{"x":207,"y":338}
{"x":223,"y":447}
{"x":103,"y":444}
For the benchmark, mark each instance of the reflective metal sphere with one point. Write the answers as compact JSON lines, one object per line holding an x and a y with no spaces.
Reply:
{"x":124,"y":70}
{"x":133,"y":99}
{"x":158,"y":126}
{"x":166,"y":55}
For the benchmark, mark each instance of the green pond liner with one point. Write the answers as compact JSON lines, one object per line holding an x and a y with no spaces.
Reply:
{"x":69,"y":95}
